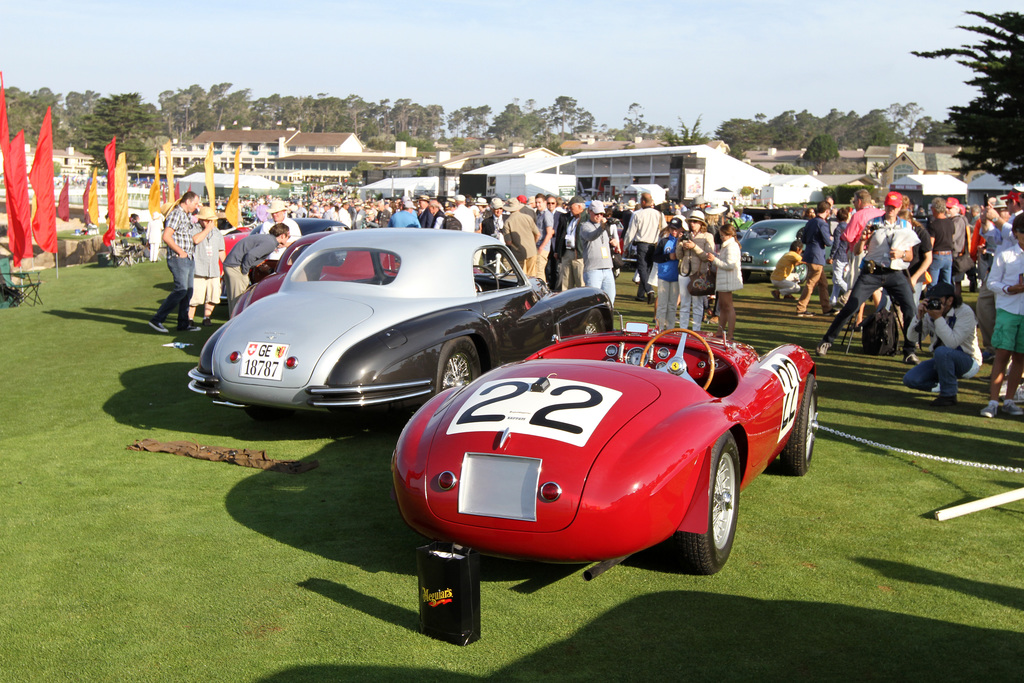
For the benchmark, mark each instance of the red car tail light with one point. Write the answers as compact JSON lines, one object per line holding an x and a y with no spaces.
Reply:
{"x":446,"y":480}
{"x":291,"y":362}
{"x":235,"y":356}
{"x":550,"y":492}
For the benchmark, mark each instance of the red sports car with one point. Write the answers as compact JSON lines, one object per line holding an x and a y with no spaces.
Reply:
{"x":603,"y":445}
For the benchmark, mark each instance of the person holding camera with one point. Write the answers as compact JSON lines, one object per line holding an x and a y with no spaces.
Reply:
{"x":887,"y":245}
{"x":943,"y":316}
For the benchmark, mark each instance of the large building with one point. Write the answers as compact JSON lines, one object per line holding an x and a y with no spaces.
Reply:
{"x":287,"y":155}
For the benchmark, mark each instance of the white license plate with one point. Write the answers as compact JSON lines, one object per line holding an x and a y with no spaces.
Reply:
{"x":262,"y":360}
{"x":499,"y":486}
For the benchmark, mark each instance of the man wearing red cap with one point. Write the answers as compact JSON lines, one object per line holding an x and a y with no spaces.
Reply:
{"x":887,"y":246}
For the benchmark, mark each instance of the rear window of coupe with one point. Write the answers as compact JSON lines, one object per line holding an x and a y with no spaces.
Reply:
{"x":365,"y":266}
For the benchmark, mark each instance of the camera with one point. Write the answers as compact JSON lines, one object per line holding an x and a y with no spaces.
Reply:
{"x":933,"y":304}
{"x":686,"y":236}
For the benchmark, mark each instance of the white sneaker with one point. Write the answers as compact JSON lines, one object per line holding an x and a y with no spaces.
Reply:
{"x":1011,"y":408}
{"x":1019,"y":396}
{"x":991,"y":409}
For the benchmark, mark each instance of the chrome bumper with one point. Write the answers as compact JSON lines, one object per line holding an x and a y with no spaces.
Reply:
{"x":371,"y":394}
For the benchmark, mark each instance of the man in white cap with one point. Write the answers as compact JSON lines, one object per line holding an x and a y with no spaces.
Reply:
{"x":464,"y":214}
{"x":279,"y":214}
{"x":595,"y":235}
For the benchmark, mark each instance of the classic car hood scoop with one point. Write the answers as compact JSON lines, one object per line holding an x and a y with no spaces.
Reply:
{"x":530,"y":423}
{"x":306,"y":324}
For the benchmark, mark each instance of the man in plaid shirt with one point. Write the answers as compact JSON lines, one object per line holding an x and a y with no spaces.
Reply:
{"x":181,"y":236}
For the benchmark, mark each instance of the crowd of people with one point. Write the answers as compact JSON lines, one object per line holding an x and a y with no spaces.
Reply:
{"x":688,"y":263}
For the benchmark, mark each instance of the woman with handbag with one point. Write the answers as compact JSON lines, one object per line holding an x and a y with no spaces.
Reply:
{"x":696,"y":279}
{"x":668,"y":275}
{"x":727,"y":280}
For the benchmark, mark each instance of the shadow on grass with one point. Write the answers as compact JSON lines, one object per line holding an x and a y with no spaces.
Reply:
{"x":135,"y":321}
{"x":1001,"y":595}
{"x":705,"y":636}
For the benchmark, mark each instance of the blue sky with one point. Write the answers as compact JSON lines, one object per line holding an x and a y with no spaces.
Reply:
{"x":683,"y":59}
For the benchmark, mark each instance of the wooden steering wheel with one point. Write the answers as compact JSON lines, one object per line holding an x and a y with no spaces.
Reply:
{"x":682,"y":340}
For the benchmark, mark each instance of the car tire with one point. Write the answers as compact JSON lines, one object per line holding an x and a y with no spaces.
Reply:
{"x":707,"y":553}
{"x":267,"y":413}
{"x":593,"y":323}
{"x":796,"y":456}
{"x":458,"y":364}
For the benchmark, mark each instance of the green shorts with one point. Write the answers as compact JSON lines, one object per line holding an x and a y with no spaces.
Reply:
{"x":1009,"y":331}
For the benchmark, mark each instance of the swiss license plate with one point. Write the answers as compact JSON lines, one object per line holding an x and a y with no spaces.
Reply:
{"x":262,"y":360}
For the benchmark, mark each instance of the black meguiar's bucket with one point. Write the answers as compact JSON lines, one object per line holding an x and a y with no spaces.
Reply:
{"x":449,"y":592}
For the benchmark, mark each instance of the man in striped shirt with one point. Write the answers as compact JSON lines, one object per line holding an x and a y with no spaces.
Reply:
{"x":181,"y":236}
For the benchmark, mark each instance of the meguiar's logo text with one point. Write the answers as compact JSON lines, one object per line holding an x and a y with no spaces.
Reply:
{"x":441,"y":597}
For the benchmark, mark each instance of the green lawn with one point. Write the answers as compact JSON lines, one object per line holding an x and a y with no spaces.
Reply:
{"x":117,"y":565}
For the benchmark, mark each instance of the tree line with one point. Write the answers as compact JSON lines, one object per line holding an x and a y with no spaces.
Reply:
{"x":87,"y":121}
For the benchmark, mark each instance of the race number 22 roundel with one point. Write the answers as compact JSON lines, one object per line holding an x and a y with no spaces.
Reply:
{"x":566,"y":410}
{"x":785,"y":370}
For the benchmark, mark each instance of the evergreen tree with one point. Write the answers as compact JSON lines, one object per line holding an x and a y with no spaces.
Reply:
{"x":821,"y":150}
{"x":134,"y":124}
{"x":991,"y":126}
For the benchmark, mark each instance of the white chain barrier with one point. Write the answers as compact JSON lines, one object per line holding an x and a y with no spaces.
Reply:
{"x":949,"y":461}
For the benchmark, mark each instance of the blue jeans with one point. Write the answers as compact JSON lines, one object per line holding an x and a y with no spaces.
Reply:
{"x":944,"y":368}
{"x":941,"y":268}
{"x":182,"y":270}
{"x":602,"y":279}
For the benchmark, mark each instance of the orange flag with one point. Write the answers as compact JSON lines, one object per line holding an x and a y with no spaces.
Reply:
{"x":44,"y":223}
{"x":94,"y":200}
{"x":211,"y":190}
{"x":154,"y":189}
{"x":121,"y":193}
{"x":231,"y":210}
{"x":171,"y":191}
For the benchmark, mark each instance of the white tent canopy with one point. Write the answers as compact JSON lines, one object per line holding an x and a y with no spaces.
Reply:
{"x":401,"y":187}
{"x":931,"y":185}
{"x":196,"y":181}
{"x":529,"y":176}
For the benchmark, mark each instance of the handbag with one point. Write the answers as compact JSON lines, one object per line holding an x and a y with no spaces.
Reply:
{"x":963,"y":263}
{"x":701,"y":284}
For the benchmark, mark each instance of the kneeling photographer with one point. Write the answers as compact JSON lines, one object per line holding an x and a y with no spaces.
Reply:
{"x":943,"y":316}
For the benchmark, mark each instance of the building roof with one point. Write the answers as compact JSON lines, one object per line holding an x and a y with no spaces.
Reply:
{"x":847,"y":179}
{"x":931,"y":184}
{"x":355,"y":156}
{"x":239,"y":136}
{"x":522,"y":166}
{"x":608,"y":145}
{"x":780,"y":156}
{"x":930,"y":161}
{"x":321,"y":139}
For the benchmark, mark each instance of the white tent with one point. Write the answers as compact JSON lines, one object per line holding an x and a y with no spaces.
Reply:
{"x":401,"y":187}
{"x":930,"y":185}
{"x":196,"y":182}
{"x":657,"y":192}
{"x":529,"y":176}
{"x":792,"y":189}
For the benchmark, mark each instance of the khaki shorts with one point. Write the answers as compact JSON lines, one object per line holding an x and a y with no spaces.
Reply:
{"x":205,"y":290}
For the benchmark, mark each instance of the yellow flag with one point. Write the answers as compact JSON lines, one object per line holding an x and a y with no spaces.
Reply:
{"x":121,"y":193}
{"x":169,"y":172}
{"x":154,"y":189}
{"x":94,"y":200}
{"x":211,"y":190}
{"x":231,"y":210}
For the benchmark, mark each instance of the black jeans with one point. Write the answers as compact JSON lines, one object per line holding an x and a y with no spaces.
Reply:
{"x":644,"y":263}
{"x":897,"y":286}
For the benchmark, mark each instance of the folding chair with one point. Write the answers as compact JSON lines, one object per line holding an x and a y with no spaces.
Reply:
{"x":119,"y":254}
{"x":27,"y":285}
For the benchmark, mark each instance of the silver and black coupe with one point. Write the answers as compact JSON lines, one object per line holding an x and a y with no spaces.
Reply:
{"x":387,"y":316}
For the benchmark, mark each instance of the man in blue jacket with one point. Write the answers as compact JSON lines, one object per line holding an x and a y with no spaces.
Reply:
{"x":817,"y":237}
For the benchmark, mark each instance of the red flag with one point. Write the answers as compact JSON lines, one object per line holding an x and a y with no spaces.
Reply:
{"x":44,"y":223}
{"x":85,"y":201}
{"x":110,"y":152}
{"x":64,"y":203}
{"x":19,"y":209}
